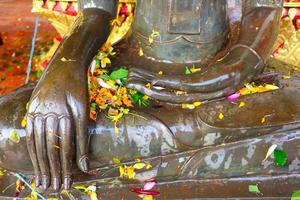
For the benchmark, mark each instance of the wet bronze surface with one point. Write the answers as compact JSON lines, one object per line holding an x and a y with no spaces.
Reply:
{"x":187,"y":149}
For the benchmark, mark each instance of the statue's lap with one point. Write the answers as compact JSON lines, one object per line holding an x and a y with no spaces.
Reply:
{"x":165,"y":130}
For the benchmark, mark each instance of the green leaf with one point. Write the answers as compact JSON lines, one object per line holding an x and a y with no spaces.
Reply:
{"x":105,"y":77}
{"x":138,"y":98}
{"x":254,"y":189}
{"x":123,"y":81}
{"x":39,"y":73}
{"x":296,"y":195}
{"x":119,"y":74}
{"x":3,"y":77}
{"x":8,"y":67}
{"x":93,"y":106}
{"x":135,"y":97}
{"x":280,"y":158}
{"x":145,"y":102}
{"x":187,"y":71}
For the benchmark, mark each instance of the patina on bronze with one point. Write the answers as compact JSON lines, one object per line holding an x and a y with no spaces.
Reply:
{"x":183,"y":146}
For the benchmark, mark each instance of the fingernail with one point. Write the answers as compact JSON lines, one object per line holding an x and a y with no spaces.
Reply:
{"x":67,"y":182}
{"x":84,"y":164}
{"x":37,"y":181}
{"x":45,"y":181}
{"x":56,"y":184}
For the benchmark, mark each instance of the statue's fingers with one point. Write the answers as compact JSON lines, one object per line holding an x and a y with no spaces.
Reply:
{"x":172,"y":97}
{"x":53,"y":151}
{"x":80,"y":120}
{"x":66,"y":147}
{"x":32,"y":150}
{"x":141,"y":74}
{"x":40,"y":143}
{"x":138,"y":85}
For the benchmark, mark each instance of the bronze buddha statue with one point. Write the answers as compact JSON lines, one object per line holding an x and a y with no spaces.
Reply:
{"x":231,"y":41}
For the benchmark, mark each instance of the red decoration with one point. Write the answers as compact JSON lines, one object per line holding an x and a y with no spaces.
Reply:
{"x":57,"y":7}
{"x":124,"y":10}
{"x":45,"y":4}
{"x":71,"y":10}
{"x":145,"y":192}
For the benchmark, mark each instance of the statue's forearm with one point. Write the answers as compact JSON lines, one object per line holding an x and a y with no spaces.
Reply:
{"x":84,"y":39}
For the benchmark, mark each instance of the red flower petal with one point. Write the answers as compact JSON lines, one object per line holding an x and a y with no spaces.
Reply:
{"x":146,"y":192}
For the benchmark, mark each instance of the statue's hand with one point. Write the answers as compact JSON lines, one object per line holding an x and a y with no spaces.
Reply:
{"x":57,"y":114}
{"x":244,"y":61}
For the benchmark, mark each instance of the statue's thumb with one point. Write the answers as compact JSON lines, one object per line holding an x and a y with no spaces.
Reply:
{"x":80,"y":118}
{"x":83,"y":164}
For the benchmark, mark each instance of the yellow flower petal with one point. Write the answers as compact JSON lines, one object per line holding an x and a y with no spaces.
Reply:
{"x":150,"y":39}
{"x":221,"y":116}
{"x":244,"y":91}
{"x":152,"y":36}
{"x":194,"y":70}
{"x":106,"y":60}
{"x":14,"y":136}
{"x":148,"y":85}
{"x":141,"y":52}
{"x":24,"y":122}
{"x":127,"y":172}
{"x":1,"y":172}
{"x":188,"y":106}
{"x":271,"y":87}
{"x":242,"y":104}
{"x":197,"y":104}
{"x":263,"y":120}
{"x":117,"y":130}
{"x":63,"y":59}
{"x":116,"y":161}
{"x":131,"y":174}
{"x":147,"y":197}
{"x":160,"y":73}
{"x":81,"y":188}
{"x":139,"y":165}
{"x":148,"y":166}
{"x":93,"y":196}
{"x":122,"y":171}
{"x":33,"y":194}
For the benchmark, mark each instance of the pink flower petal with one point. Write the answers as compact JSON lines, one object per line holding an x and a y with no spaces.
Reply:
{"x":149,"y":185}
{"x":234,"y":96}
